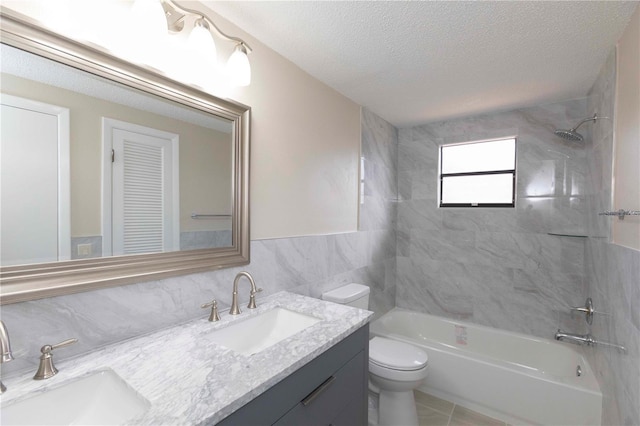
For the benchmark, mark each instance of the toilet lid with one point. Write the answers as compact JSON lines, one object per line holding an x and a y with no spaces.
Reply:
{"x":396,"y":355}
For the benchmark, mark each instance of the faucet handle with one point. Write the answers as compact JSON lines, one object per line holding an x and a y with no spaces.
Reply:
{"x":46,"y":369}
{"x":587,"y":309}
{"x":49,"y":348}
{"x":252,"y":298}
{"x":214,"y":310}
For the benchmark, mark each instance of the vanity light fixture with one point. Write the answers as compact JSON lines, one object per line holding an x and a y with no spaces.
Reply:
{"x":149,"y":17}
{"x":201,"y":30}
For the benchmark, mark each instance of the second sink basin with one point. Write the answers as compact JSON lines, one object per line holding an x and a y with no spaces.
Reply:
{"x":262,"y":331}
{"x":101,"y":398}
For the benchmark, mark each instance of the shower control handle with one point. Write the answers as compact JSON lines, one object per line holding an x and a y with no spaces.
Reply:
{"x":587,"y":309}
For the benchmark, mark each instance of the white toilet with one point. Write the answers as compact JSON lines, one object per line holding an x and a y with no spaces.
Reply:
{"x":395,"y":368}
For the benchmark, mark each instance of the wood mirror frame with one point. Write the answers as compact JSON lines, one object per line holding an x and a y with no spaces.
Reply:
{"x":28,"y":282}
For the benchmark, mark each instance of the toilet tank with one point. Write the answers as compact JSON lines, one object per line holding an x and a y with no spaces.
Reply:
{"x":356,"y":295}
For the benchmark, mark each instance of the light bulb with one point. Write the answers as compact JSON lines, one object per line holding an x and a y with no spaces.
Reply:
{"x":149,"y":33}
{"x":58,"y":16}
{"x":201,"y":41}
{"x":150,"y":18}
{"x":238,"y":67}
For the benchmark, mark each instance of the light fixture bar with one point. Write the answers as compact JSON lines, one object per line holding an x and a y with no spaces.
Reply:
{"x":175,"y":21}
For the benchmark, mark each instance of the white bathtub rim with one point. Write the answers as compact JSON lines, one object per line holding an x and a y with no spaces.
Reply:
{"x":588,"y":376}
{"x":588,"y":379}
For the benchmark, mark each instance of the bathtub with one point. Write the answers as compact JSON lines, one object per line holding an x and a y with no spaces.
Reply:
{"x":512,"y":377}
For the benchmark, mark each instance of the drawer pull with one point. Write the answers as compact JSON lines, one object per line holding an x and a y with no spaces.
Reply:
{"x":317,"y":391}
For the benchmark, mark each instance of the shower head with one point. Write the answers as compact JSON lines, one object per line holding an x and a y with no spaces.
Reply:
{"x":572,"y":135}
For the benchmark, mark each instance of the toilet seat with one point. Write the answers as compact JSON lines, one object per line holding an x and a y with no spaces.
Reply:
{"x":396,"y":355}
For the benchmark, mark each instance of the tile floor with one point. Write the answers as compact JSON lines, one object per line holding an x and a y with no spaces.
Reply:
{"x":434,"y":411}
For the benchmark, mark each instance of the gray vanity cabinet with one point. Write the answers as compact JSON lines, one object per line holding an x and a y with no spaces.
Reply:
{"x":329,"y":390}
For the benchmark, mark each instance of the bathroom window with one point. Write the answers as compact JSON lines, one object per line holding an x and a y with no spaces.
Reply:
{"x":478,"y":174}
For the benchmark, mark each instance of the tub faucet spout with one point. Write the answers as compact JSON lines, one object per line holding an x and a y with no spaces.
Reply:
{"x":578,"y":339}
{"x":587,"y":339}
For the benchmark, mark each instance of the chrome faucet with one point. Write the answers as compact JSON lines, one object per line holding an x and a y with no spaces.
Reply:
{"x":252,"y":298}
{"x":578,"y":339}
{"x":586,"y":339}
{"x":5,"y":350}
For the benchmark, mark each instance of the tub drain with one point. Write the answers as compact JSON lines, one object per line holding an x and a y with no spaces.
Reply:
{"x":579,"y":371}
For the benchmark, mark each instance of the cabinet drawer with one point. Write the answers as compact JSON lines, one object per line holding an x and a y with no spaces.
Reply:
{"x":331,"y":397}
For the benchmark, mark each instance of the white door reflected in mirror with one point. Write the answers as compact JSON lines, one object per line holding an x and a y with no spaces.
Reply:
{"x":140,"y":203}
{"x":34,"y":175}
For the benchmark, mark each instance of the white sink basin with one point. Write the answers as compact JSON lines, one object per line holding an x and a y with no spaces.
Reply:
{"x":101,"y":398}
{"x":262,"y":331}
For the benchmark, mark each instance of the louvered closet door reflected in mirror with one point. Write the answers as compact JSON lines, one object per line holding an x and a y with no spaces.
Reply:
{"x":144,"y":189}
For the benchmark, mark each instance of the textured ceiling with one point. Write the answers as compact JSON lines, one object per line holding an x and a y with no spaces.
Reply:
{"x":417,"y":62}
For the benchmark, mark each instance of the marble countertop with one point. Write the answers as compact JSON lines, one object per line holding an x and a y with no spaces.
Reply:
{"x":190,"y":380}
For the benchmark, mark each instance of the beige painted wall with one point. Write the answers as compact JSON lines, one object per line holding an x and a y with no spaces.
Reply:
{"x":205,"y":156}
{"x":627,"y":135}
{"x":305,"y":146}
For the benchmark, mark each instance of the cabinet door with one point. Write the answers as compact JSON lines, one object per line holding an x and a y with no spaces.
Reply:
{"x":331,"y":397}
{"x":351,"y":415}
{"x":347,"y":361}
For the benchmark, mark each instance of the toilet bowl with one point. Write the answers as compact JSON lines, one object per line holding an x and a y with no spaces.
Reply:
{"x":395,"y":368}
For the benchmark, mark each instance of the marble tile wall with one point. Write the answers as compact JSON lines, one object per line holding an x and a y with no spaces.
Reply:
{"x":304,"y":265}
{"x":496,"y":267}
{"x":613,"y":272}
{"x":379,"y":211}
{"x":193,"y":240}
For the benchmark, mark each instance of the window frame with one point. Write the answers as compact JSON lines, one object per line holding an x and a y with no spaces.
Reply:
{"x":441,"y":175}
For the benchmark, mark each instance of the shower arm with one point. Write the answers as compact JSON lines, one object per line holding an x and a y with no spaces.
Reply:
{"x":594,"y":118}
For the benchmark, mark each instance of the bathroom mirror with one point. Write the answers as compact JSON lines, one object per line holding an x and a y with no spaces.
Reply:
{"x":116,"y":175}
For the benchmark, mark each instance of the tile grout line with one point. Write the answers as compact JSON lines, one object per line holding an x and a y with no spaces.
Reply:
{"x":452,"y":411}
{"x":451,"y":415}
